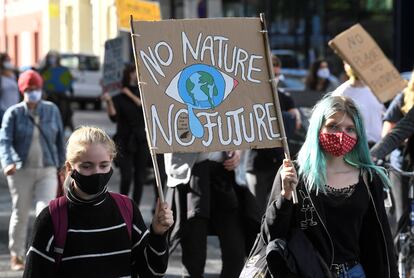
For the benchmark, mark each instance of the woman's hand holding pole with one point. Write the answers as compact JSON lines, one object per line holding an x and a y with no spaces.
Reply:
{"x":289,"y":179}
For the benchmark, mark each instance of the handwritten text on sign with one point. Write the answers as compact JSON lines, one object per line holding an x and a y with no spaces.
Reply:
{"x":359,"y":49}
{"x":218,"y":91}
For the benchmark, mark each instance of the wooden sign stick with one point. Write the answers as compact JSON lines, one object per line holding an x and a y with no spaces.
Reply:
{"x":151,"y":148}
{"x":274,"y":82}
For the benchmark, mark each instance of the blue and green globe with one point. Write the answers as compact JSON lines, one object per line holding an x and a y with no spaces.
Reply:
{"x":200,"y":87}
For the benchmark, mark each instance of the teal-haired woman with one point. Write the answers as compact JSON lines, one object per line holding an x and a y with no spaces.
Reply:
{"x":340,"y":207}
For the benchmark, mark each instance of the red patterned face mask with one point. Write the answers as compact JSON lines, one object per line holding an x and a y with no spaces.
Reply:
{"x":337,"y":144}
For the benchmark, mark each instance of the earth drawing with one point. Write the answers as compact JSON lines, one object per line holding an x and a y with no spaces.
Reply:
{"x":200,"y":86}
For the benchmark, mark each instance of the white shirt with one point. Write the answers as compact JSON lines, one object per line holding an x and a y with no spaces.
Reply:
{"x":370,"y":107}
{"x":178,"y":166}
{"x":35,"y":156}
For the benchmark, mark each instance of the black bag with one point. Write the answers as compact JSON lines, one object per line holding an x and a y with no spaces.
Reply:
{"x":292,"y":257}
{"x":272,"y":259}
{"x":295,"y":257}
{"x":256,"y":264}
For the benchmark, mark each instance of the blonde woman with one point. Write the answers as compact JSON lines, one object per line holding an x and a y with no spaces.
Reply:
{"x":98,"y":241}
{"x":399,"y":107}
{"x":397,"y":110}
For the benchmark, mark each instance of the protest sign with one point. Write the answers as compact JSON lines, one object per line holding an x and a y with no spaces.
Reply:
{"x":204,"y":85}
{"x":57,"y":79}
{"x":113,"y":66}
{"x":140,"y":10}
{"x":361,"y":52}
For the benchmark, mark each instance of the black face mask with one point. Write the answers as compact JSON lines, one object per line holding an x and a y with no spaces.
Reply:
{"x":92,"y":184}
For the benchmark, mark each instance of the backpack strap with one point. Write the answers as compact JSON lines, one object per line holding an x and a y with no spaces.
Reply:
{"x":125,"y":208}
{"x":59,"y":213}
{"x":58,"y":209}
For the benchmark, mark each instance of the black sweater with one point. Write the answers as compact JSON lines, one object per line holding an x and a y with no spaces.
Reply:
{"x":97,"y":245}
{"x":129,"y":117}
{"x":377,"y":254}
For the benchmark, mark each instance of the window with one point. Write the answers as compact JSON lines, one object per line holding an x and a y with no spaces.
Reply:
{"x":71,"y":62}
{"x":80,"y":62}
{"x":90,"y":63}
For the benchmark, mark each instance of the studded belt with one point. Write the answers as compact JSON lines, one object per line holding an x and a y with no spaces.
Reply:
{"x":340,"y":268}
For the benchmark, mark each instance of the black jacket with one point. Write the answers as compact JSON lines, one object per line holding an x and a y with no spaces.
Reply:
{"x":403,"y":130}
{"x":377,"y":254}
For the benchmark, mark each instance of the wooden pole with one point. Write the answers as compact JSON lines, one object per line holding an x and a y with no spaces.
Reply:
{"x":151,"y":147}
{"x":274,"y":82}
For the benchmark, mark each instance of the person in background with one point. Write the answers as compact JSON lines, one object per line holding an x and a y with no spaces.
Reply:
{"x":319,"y":78}
{"x":286,"y":101}
{"x":393,"y":139}
{"x":31,"y":148}
{"x":399,"y":107}
{"x":370,"y":107}
{"x":260,"y":163}
{"x":125,"y":109}
{"x":202,"y":189}
{"x":340,"y":210}
{"x":98,"y":243}
{"x":402,"y":156}
{"x":9,"y":93}
{"x":58,"y":85}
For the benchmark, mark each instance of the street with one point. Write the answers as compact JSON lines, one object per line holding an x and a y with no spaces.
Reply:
{"x":100,"y":119}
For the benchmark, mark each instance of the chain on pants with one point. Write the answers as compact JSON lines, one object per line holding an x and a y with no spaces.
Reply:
{"x":355,"y":272}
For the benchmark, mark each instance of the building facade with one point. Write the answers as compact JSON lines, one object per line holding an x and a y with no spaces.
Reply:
{"x":28,"y":29}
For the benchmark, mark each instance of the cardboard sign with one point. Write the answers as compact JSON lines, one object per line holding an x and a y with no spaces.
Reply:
{"x":113,"y":66}
{"x":358,"y":49}
{"x":205,"y":85}
{"x":140,"y":10}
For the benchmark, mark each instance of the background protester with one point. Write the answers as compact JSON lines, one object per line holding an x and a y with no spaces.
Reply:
{"x":9,"y":93}
{"x":125,"y":109}
{"x":340,"y":212}
{"x":403,"y":155}
{"x":31,"y":148}
{"x":400,"y":132}
{"x":202,"y":190}
{"x":98,"y":241}
{"x":319,"y":78}
{"x":58,"y":85}
{"x":370,"y":107}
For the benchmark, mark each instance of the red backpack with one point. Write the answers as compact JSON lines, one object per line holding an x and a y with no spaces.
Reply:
{"x":58,"y":209}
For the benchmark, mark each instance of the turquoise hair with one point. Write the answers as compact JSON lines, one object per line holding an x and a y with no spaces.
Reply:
{"x":312,"y":160}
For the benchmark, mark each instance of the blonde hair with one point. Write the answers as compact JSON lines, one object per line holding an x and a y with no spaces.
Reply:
{"x":408,"y":95}
{"x":84,"y":136}
{"x":350,"y":72}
